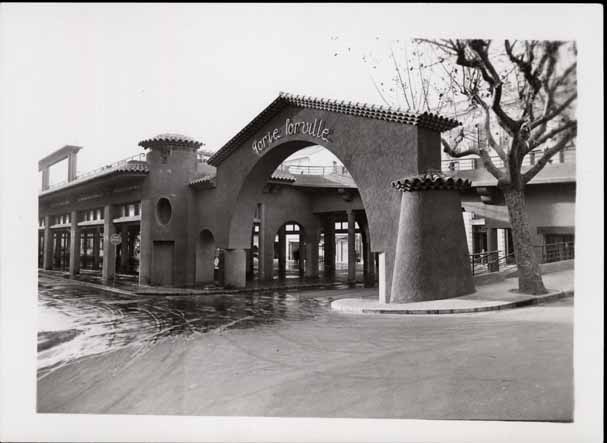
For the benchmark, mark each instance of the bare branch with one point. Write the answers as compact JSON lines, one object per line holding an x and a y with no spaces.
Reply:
{"x":409,"y":76}
{"x":563,"y":76}
{"x":496,"y":147}
{"x":446,"y":47}
{"x":400,"y":79}
{"x":452,"y":150}
{"x":379,"y":91}
{"x":547,"y":117}
{"x":569,"y":125}
{"x":490,"y":166}
{"x":491,"y":76}
{"x":524,"y":66}
{"x":548,"y":154}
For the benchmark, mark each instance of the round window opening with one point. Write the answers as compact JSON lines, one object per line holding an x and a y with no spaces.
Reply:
{"x":164,"y":211}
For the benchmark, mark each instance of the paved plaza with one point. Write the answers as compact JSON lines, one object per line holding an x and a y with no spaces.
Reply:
{"x":289,"y":354}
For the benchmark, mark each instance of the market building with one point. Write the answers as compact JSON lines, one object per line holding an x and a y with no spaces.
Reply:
{"x":188,"y":217}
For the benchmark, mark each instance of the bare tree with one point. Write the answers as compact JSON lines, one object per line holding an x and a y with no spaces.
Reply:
{"x":540,"y":116}
{"x":519,"y":95}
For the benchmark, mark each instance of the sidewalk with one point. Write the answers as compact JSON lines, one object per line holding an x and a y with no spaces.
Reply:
{"x":489,"y":297}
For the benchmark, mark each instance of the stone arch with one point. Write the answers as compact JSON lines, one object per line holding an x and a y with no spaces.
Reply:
{"x":205,"y":257}
{"x":376,"y":145}
{"x":253,"y":187}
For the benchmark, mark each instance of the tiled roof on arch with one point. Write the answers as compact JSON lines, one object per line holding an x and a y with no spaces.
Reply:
{"x":427,"y":120}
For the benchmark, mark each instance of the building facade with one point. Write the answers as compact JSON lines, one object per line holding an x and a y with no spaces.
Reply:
{"x":181,"y":216}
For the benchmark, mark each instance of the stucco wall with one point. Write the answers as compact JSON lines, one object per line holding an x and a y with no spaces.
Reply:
{"x":548,"y":205}
{"x":169,"y":179}
{"x":330,"y":200}
{"x":375,"y":152}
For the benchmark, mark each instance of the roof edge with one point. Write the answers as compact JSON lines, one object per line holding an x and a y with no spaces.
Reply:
{"x":427,"y":120}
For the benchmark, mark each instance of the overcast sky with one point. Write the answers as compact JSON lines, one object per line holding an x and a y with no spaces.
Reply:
{"x":107,"y":76}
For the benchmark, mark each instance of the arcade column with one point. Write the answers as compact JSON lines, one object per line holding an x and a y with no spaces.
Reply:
{"x":235,"y":268}
{"x":266,"y":247}
{"x":492,"y":247}
{"x":351,"y":247}
{"x":74,"y":244}
{"x":96,"y":241}
{"x":311,"y":258}
{"x":282,"y":253}
{"x":48,"y":244}
{"x":250,"y":264}
{"x":145,"y":245}
{"x":124,"y":248}
{"x":368,"y":258}
{"x":431,"y":261}
{"x":329,"y":245}
{"x":301,"y":256}
{"x":109,"y":250}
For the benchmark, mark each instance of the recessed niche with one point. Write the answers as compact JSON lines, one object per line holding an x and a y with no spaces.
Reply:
{"x":164,"y":211}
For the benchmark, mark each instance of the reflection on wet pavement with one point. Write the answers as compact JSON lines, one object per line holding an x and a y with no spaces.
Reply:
{"x":77,"y":321}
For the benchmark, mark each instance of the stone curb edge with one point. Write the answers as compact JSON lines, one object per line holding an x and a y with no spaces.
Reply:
{"x":512,"y":305}
{"x":198,"y":292}
{"x":240,"y":291}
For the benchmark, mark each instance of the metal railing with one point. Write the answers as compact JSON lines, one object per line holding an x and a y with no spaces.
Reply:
{"x":556,"y":252}
{"x":493,"y":261}
{"x":313,"y":170}
{"x":134,"y":158}
{"x":464,"y":164}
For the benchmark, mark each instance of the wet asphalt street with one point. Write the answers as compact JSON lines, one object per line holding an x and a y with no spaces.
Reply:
{"x":97,"y":321}
{"x":290,"y":355}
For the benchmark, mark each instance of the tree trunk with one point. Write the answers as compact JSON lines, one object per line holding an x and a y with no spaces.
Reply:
{"x":529,"y":274}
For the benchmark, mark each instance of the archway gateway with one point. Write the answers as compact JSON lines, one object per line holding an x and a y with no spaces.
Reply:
{"x":377,"y":145}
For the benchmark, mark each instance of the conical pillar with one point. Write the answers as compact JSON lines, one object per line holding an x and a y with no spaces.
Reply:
{"x":431,"y":260}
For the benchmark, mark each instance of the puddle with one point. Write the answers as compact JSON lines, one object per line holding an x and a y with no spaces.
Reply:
{"x":107,"y":321}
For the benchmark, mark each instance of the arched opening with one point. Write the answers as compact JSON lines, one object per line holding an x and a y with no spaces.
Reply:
{"x":286,"y":185}
{"x":289,"y":252}
{"x":206,"y":252}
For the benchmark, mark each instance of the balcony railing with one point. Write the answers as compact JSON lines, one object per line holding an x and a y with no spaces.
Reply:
{"x":134,"y":158}
{"x":464,"y":164}
{"x":314,"y":170}
{"x":493,"y":261}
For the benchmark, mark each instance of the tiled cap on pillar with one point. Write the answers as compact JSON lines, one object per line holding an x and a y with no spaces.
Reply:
{"x":431,"y":260}
{"x":173,"y":140}
{"x":431,"y":180}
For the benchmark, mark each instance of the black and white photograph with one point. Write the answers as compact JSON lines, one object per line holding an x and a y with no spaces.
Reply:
{"x":301,"y":222}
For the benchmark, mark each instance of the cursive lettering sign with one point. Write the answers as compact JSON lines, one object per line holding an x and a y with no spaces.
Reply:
{"x":316,"y":129}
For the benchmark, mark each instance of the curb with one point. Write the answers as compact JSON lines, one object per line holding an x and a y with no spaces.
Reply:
{"x":240,"y":291}
{"x":512,"y":305}
{"x":100,"y":287}
{"x":219,"y":291}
